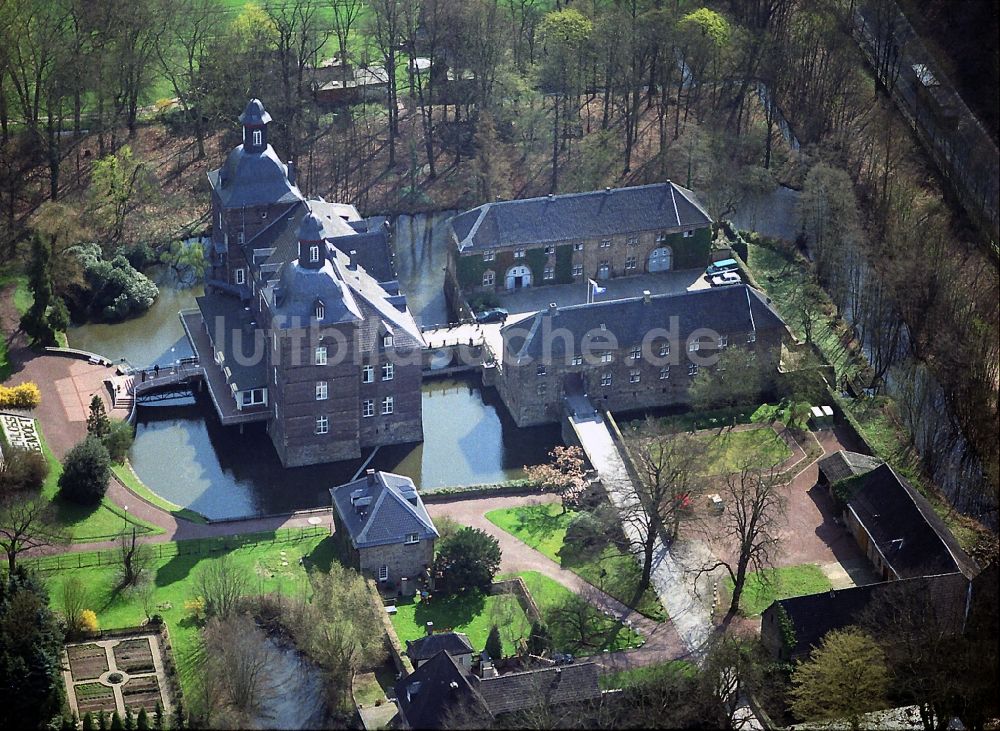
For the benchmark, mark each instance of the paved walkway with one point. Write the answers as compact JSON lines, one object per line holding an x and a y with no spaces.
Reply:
{"x":688,"y":608}
{"x":662,"y":641}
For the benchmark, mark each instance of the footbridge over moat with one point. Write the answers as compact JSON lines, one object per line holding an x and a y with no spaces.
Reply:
{"x":598,"y":435}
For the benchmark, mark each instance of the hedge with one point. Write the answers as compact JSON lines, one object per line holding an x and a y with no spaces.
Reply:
{"x":23,"y":396}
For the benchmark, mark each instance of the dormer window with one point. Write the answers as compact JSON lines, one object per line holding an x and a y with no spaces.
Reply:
{"x":258,"y":137}
{"x":412,"y":538}
{"x":320,"y":311}
{"x":387,"y":341}
{"x":313,"y":253}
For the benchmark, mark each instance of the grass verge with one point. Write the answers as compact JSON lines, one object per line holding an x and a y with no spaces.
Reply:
{"x":648,"y":674}
{"x":725,"y":451}
{"x":543,"y":527}
{"x":101,"y":522}
{"x":127,"y":476}
{"x":784,"y":582}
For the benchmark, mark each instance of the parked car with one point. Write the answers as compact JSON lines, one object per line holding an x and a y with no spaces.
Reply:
{"x":721,"y":280}
{"x":496,"y":314}
{"x":562,"y":658}
{"x":724,"y":265}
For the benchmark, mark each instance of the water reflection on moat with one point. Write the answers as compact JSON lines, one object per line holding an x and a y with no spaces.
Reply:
{"x":184,"y":454}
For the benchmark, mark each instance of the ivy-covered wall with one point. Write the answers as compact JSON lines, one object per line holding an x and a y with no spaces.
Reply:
{"x":470,"y":270}
{"x":564,"y":264}
{"x":691,"y":252}
{"x":536,"y":259}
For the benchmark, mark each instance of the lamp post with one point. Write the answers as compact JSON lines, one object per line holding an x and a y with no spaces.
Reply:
{"x":125,"y":508}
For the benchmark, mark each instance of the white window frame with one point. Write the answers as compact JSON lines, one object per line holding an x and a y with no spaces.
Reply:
{"x":632,"y":241}
{"x":313,"y":254}
{"x":664,"y":349}
{"x":607,"y":356}
{"x":550,"y":250}
{"x":387,"y":341}
{"x":368,"y":408}
{"x":411,"y":539}
{"x":661,"y":238}
{"x":665,"y":373}
{"x":606,"y":380}
{"x":489,"y":278}
{"x":258,"y":138}
{"x":636,"y":353}
{"x":723,"y":341}
{"x":319,"y":357}
{"x":540,"y":369}
{"x":322,"y":390}
{"x":323,"y":424}
{"x":320,"y":310}
{"x":240,"y":275}
{"x":549,"y":273}
{"x":489,"y":255}
{"x":605,"y":244}
{"x":631,"y":262}
{"x":692,"y":369}
{"x":689,"y":233}
{"x":578,"y":270}
{"x":383,"y":573}
{"x":694,"y":346}
{"x":388,"y":371}
{"x":518,"y":253}
{"x":388,"y":405}
{"x":578,"y":247}
{"x":368,"y":374}
{"x":577,"y":360}
{"x":634,"y":375}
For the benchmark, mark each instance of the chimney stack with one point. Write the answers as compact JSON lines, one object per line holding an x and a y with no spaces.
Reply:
{"x":371,"y":476}
{"x":430,"y":628}
{"x":553,"y":309}
{"x":647,"y":296}
{"x":607,"y":189}
{"x":551,"y":196}
{"x":291,"y":172}
{"x":354,"y":259}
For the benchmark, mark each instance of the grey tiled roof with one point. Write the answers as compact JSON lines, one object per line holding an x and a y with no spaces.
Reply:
{"x":255,"y":113}
{"x":228,"y":323}
{"x":547,"y":686}
{"x":294,"y":298}
{"x":814,"y":615}
{"x":904,"y":526}
{"x":435,"y":691}
{"x":395,"y":510}
{"x":454,"y":643}
{"x":843,"y":464}
{"x":660,"y":206}
{"x":727,"y":310}
{"x":253,"y":178}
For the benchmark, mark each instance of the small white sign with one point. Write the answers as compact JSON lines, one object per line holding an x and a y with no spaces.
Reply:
{"x":20,"y":432}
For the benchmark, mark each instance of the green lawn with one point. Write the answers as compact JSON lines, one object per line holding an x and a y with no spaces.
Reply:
{"x":785,"y":582}
{"x":543,"y":527}
{"x":127,"y":476}
{"x":22,"y":301}
{"x":726,"y":452}
{"x":85,"y":524}
{"x":548,"y":593}
{"x":470,"y":613}
{"x":647,"y":674}
{"x":172,"y":575}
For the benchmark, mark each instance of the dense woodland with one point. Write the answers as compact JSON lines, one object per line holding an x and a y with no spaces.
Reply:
{"x":520,"y":97}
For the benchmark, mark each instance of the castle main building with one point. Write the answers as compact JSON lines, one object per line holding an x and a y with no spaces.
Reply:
{"x":303,"y":325}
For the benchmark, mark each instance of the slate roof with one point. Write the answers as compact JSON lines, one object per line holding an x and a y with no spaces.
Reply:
{"x":814,"y":615}
{"x":225,"y":318}
{"x":844,"y":464}
{"x":910,"y":535}
{"x":660,"y":206}
{"x":549,"y":686}
{"x":253,"y":178}
{"x":727,"y":310}
{"x":255,"y":114}
{"x":429,"y":696}
{"x":394,"y":510}
{"x":454,"y":643}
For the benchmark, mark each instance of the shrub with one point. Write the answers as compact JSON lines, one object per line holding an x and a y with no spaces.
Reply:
{"x":494,"y":646}
{"x":22,"y":469}
{"x":469,"y":559}
{"x":88,"y":621}
{"x":115,"y":289}
{"x":86,"y":472}
{"x":195,"y":607}
{"x":23,"y":396}
{"x":118,"y":440}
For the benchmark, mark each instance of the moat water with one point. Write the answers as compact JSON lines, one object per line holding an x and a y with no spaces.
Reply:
{"x":182,"y":452}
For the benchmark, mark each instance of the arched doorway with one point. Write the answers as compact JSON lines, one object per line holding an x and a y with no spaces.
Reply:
{"x":661,"y":259}
{"x":518,"y":277}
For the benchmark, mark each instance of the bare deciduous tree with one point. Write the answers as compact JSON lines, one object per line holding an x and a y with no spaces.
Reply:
{"x":135,"y":559}
{"x":755,"y":509}
{"x":74,"y":601}
{"x":27,"y":523}
{"x":239,"y":656}
{"x":222,"y":585}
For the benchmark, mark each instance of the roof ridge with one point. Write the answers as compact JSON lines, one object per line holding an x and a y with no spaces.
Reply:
{"x":406,"y":503}
{"x":691,"y":199}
